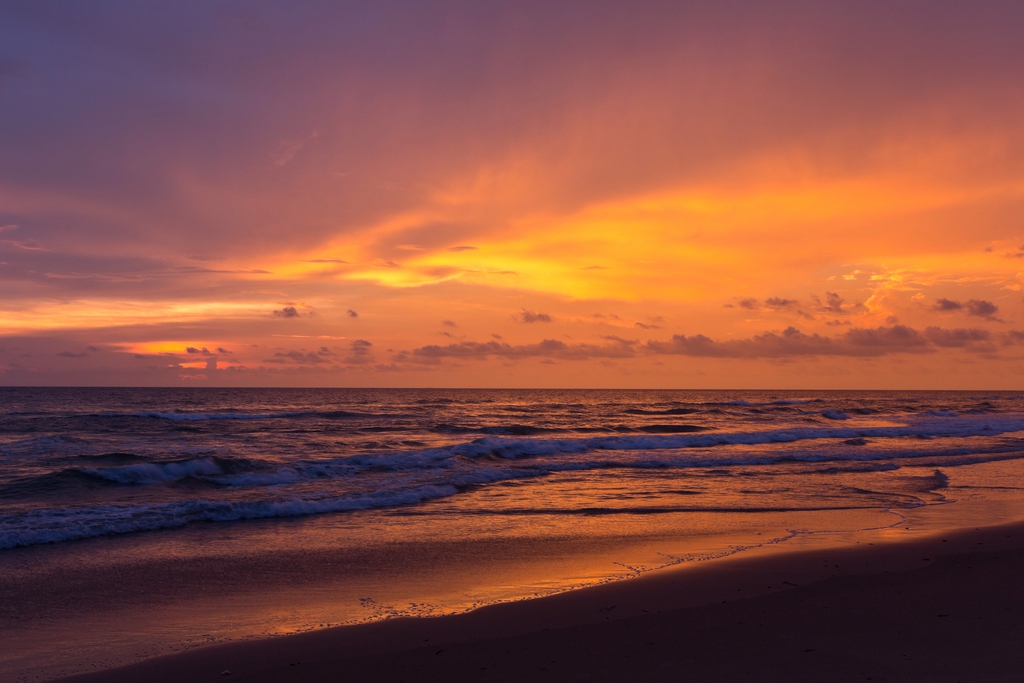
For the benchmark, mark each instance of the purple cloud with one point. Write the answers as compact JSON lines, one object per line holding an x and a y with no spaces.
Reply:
{"x":532,"y":317}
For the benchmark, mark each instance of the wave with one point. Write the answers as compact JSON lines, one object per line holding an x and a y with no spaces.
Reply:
{"x":67,"y":524}
{"x":319,"y":467}
{"x":152,"y":472}
{"x":529,"y":430}
{"x":179,"y":416}
{"x":52,"y":483}
{"x":848,"y":442}
{"x":780,"y":402}
{"x":516,"y":448}
{"x":51,"y":526}
{"x":492,"y":462}
{"x":43,"y":445}
{"x":511,"y":429}
{"x":667,"y":509}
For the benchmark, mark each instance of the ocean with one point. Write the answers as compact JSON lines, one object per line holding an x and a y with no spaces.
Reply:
{"x":135,"y":522}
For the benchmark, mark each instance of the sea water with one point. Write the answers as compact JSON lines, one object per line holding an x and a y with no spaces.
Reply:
{"x":135,"y":522}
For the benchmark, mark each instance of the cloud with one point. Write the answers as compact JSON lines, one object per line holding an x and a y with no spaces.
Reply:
{"x":27,"y":245}
{"x":287,"y":312}
{"x":833,"y":303}
{"x":792,"y":342}
{"x":287,"y":149}
{"x":222,"y":350}
{"x":646,"y":326}
{"x":548,"y":348}
{"x":352,"y":314}
{"x":957,"y":338}
{"x":297,"y":357}
{"x":979,"y":308}
{"x":982,"y":309}
{"x":749,"y":304}
{"x":359,"y":353}
{"x":449,"y":323}
{"x":69,"y":354}
{"x":780,"y":303}
{"x":531,"y":317}
{"x":460,"y":248}
{"x":203,"y":351}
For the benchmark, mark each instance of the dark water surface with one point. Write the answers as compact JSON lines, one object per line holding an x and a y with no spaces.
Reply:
{"x":242,"y":512}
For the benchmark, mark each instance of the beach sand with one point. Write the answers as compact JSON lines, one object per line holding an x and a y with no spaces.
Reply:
{"x":938,"y":607}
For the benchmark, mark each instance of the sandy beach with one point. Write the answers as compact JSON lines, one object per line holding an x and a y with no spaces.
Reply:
{"x":943,"y":607}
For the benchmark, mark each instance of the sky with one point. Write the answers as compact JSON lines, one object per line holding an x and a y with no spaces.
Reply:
{"x":512,"y":194}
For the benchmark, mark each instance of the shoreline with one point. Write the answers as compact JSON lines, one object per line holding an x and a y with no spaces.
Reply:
{"x":601,"y":623}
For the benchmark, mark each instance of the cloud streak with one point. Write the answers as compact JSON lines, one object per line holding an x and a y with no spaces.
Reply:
{"x":790,"y":343}
{"x":548,"y":348}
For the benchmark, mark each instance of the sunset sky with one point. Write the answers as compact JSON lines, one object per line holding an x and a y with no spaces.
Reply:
{"x":520,"y":194}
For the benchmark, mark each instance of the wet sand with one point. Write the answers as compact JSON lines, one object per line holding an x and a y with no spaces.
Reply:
{"x":944,"y":607}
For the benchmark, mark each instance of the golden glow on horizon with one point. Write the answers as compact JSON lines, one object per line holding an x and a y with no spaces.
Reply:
{"x":635,"y":248}
{"x":92,"y":313}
